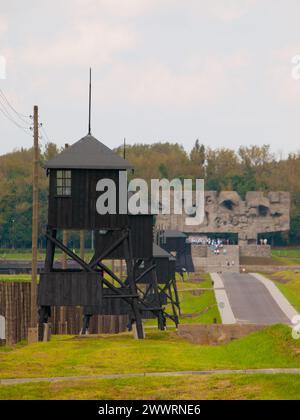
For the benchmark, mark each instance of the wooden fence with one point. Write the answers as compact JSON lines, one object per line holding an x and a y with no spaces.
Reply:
{"x":15,"y":307}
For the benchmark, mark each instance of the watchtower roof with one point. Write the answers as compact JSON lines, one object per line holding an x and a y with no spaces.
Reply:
{"x":88,"y":153}
{"x":159,"y":252}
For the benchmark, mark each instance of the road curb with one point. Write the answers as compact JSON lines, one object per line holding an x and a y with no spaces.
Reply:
{"x":222,"y":300}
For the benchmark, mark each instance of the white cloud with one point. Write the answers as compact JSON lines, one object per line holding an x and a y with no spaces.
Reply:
{"x":115,"y":8}
{"x":168,"y":59}
{"x":223,"y":10}
{"x":155,"y":84}
{"x":280,"y":83}
{"x":3,"y":24}
{"x":84,"y":44}
{"x":230,"y":10}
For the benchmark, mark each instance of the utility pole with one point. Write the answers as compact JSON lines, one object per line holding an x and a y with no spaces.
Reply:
{"x":33,"y":315}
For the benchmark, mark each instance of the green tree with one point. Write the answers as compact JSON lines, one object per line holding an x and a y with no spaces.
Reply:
{"x":197,"y":158}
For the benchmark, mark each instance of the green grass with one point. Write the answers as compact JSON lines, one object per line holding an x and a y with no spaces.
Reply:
{"x":15,"y":277}
{"x":286,"y":256}
{"x":159,"y":352}
{"x":25,"y":254}
{"x":207,"y":282}
{"x":192,"y":304}
{"x":226,"y":387}
{"x":285,"y":260}
{"x":291,"y":296}
{"x":195,"y":301}
{"x":286,"y":252}
{"x":201,"y":283}
{"x":289,"y":284}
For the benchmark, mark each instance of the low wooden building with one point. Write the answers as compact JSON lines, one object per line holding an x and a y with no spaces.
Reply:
{"x":175,"y":243}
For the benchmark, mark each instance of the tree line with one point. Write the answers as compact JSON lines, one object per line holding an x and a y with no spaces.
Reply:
{"x":249,"y":168}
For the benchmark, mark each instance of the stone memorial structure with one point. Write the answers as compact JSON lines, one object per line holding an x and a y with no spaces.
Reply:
{"x":226,"y":212}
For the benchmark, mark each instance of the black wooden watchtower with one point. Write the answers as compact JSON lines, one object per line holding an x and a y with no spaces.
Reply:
{"x":73,"y":178}
{"x":141,"y":228}
{"x":165,"y":268}
{"x":154,"y":277}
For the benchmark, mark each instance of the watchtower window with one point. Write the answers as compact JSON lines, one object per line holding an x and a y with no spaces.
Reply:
{"x":63,"y":183}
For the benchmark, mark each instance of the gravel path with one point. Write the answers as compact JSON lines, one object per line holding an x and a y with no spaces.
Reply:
{"x":152,"y":374}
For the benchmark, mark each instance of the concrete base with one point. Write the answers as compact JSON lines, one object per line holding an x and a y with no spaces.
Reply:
{"x":134,"y":330}
{"x":47,"y":332}
{"x":255,"y":251}
{"x":226,"y":261}
{"x":32,"y":336}
{"x":205,"y":259}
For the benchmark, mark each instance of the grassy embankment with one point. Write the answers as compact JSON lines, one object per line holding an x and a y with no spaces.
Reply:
{"x":286,"y":256}
{"x":197,"y":301}
{"x":288,"y":282}
{"x":160,"y":352}
{"x":216,"y":387}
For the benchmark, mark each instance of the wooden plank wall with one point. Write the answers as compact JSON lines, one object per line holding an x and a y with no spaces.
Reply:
{"x":99,"y":324}
{"x":15,"y":307}
{"x":69,"y":288}
{"x":78,"y":211}
{"x":141,"y":228}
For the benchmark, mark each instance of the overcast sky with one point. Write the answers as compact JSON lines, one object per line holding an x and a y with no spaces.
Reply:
{"x":163,"y":70}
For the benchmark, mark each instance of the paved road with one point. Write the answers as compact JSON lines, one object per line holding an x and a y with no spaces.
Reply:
{"x":250,"y":300}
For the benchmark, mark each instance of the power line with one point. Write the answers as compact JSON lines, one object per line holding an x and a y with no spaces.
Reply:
{"x":4,"y":110}
{"x":21,"y":116}
{"x":45,"y":133}
{"x":8,"y":116}
{"x":4,"y":102}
